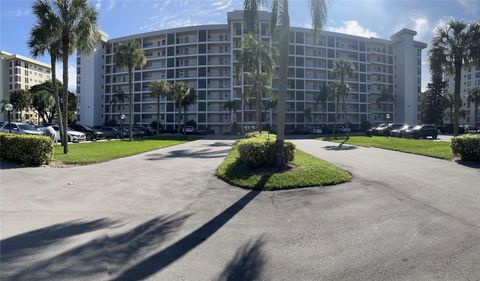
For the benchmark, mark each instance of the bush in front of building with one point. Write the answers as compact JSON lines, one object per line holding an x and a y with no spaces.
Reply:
{"x":259,"y":151}
{"x":467,"y":146}
{"x":28,"y":149}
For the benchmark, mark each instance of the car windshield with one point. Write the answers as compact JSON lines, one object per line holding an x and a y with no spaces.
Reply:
{"x":405,"y":127}
{"x":417,"y":127}
{"x":87,"y":127}
{"x":26,"y":127}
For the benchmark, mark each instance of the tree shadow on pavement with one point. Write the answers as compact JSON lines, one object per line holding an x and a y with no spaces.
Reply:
{"x":247,"y":264}
{"x":26,"y":244}
{"x":106,"y":254}
{"x":165,"y":257}
{"x":186,"y":153}
{"x":469,"y":164}
{"x":339,"y":147}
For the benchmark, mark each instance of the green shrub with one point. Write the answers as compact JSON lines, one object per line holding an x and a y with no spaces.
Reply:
{"x":258,"y":134}
{"x":260,"y":151}
{"x":32,"y":150}
{"x":467,"y":146}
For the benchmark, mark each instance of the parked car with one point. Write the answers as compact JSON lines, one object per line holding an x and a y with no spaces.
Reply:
{"x":111,"y":132}
{"x":377,"y":129}
{"x":146,"y":130}
{"x":317,"y":131}
{"x":386,"y":130}
{"x":448,"y":129}
{"x":188,"y":130}
{"x":400,"y":131}
{"x":22,"y":129}
{"x":422,"y":131}
{"x":371,"y":131}
{"x":90,"y":133}
{"x":72,"y":135}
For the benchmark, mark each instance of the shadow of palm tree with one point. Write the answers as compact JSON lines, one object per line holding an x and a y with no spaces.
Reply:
{"x":25,"y":244}
{"x":186,"y":153}
{"x":104,"y":255}
{"x":165,"y":257}
{"x":247,"y":264}
{"x":339,"y":147}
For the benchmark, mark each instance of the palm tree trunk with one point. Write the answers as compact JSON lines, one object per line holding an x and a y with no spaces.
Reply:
{"x":65,"y":94}
{"x":130,"y":94}
{"x":282,"y":89}
{"x":178,"y":120}
{"x":259,"y":113}
{"x":184,"y":117}
{"x":346,"y":118}
{"x":158,"y":114}
{"x":456,"y":97}
{"x":476,"y":115}
{"x":336,"y":118}
{"x":243,"y":116}
{"x":55,"y":95}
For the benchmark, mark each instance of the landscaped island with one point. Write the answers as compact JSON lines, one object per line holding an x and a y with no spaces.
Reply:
{"x":304,"y":170}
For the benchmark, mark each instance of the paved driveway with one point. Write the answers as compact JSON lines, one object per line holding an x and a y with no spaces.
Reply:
{"x":163,"y":216}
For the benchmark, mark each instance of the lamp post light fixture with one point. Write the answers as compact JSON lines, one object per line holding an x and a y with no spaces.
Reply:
{"x":388,"y":117}
{"x":123,"y":118}
{"x":8,"y":108}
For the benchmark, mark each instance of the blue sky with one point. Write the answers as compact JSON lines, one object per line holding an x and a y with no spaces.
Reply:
{"x":378,"y":18}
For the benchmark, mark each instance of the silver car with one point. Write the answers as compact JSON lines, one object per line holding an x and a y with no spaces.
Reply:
{"x":21,"y":128}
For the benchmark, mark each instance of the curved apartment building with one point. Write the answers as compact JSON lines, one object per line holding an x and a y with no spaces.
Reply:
{"x":205,"y":57}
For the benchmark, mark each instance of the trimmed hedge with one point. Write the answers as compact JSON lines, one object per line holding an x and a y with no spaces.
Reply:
{"x":467,"y":146}
{"x":259,"y":151}
{"x":258,"y":134}
{"x":31,"y":150}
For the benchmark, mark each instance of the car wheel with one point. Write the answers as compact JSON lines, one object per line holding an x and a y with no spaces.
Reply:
{"x":89,"y":138}
{"x":117,"y":136}
{"x":434,"y":137}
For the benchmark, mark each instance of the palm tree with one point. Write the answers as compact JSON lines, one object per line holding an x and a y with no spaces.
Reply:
{"x":159,"y":88}
{"x":131,"y":55}
{"x":474,"y":97}
{"x":280,"y":32}
{"x":449,"y":100}
{"x":345,"y":92}
{"x":455,"y":45}
{"x":231,"y":106}
{"x":119,"y":97}
{"x":341,"y":69}
{"x":76,"y":30}
{"x":179,"y":91}
{"x":322,"y":98}
{"x":44,"y":39}
{"x":256,"y":63}
{"x":385,"y":98}
{"x":333,"y":93}
{"x":307,"y":116}
{"x":189,"y":98}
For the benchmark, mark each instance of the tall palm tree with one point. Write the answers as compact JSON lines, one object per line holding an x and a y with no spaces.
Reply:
{"x":231,"y":106}
{"x":119,"y":97}
{"x":474,"y":97}
{"x":456,"y":45}
{"x":44,"y":39}
{"x":77,"y":30}
{"x":256,"y":62}
{"x":280,"y":32}
{"x":159,"y":88}
{"x":449,"y":101}
{"x":384,"y":99}
{"x":131,"y":55}
{"x":345,"y":92}
{"x":342,"y":69}
{"x":180,"y":90}
{"x":333,"y":93}
{"x":189,"y":98}
{"x":259,"y":88}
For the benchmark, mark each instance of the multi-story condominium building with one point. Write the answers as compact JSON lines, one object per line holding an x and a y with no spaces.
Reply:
{"x":19,"y":72}
{"x":470,"y":80}
{"x":205,"y":57}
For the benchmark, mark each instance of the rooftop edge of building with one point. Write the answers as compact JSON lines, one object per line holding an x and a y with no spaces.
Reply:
{"x":17,"y":56}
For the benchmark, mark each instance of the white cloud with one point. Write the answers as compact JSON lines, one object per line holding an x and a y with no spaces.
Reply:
{"x":422,"y":27}
{"x":98,"y":5}
{"x":352,"y":27}
{"x":111,"y":5}
{"x":221,"y":5}
{"x":72,"y":74}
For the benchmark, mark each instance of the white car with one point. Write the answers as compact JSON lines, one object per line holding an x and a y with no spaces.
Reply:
{"x":73,"y":136}
{"x":21,"y":128}
{"x":317,"y":131}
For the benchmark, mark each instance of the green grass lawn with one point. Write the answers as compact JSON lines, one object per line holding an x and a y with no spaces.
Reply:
{"x":95,"y":152}
{"x":437,"y":149}
{"x":308,"y":171}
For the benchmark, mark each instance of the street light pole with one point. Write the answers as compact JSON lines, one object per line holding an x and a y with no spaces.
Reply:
{"x":123,"y":118}
{"x":8,"y":108}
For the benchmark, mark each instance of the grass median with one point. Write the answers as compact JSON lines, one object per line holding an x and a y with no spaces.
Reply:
{"x":436,"y":149}
{"x":95,"y":152}
{"x":306,"y":171}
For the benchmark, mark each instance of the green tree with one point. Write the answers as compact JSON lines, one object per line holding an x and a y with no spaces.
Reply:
{"x":43,"y":101}
{"x":449,"y":103}
{"x":160,"y":88}
{"x":342,"y":69}
{"x":384,"y":99}
{"x":474,"y":97}
{"x":130,"y":55}
{"x":45,"y":38}
{"x":231,"y":106}
{"x":180,"y":90}
{"x":256,"y":63}
{"x":455,"y":45}
{"x":21,"y":100}
{"x":432,"y":106}
{"x":189,"y":98}
{"x":322,"y":98}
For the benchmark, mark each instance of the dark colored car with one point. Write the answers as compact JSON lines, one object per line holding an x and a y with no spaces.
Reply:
{"x":371,"y":131}
{"x":448,"y":129}
{"x":422,"y":131}
{"x":146,"y":130}
{"x":386,"y":130}
{"x":376,"y":131}
{"x":111,"y":132}
{"x":90,"y":133}
{"x":400,"y":131}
